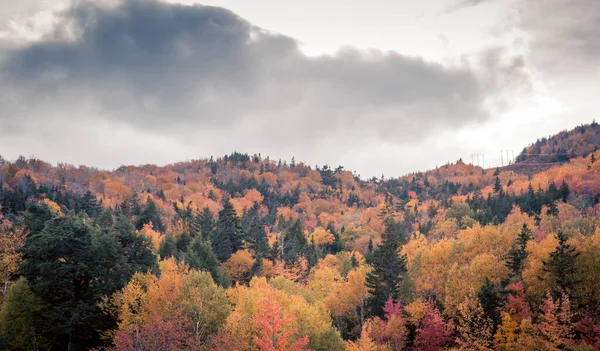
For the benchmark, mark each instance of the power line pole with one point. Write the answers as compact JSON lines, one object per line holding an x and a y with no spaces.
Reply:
{"x":502,"y":158}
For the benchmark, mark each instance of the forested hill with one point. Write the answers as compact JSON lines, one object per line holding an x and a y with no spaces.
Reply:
{"x":579,"y":142}
{"x":210,"y":253}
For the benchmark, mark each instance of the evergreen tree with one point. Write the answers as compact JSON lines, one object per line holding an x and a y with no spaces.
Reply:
{"x":70,"y":266}
{"x":497,"y":185}
{"x":168,"y":248}
{"x":561,"y":267}
{"x":137,"y":248}
{"x":182,"y":242}
{"x":200,"y":256}
{"x":105,"y":220}
{"x":21,"y":324}
{"x":257,"y":237}
{"x":206,"y":222}
{"x":89,"y":204}
{"x":518,"y":253}
{"x":564,"y":191}
{"x":226,"y":236}
{"x":294,"y":242}
{"x":491,"y":301}
{"x":150,"y":214}
{"x":388,"y":269}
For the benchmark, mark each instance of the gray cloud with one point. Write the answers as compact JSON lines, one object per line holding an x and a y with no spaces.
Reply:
{"x":463,"y":4}
{"x":565,"y":35}
{"x":201,"y":73}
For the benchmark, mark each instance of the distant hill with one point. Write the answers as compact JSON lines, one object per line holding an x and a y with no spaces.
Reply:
{"x":578,"y":142}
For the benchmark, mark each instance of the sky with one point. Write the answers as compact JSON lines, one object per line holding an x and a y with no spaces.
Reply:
{"x":379,"y":87}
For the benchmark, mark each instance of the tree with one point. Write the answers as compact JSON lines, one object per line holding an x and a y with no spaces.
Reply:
{"x":256,"y":235}
{"x":390,"y":332}
{"x":497,"y":185}
{"x":561,"y":266}
{"x":12,"y":239}
{"x":473,"y":327}
{"x":226,"y":236}
{"x":150,"y":214}
{"x":433,"y":333}
{"x":239,"y":266}
{"x":275,"y":329}
{"x":517,"y":255}
{"x":160,"y":333}
{"x":137,"y":248}
{"x":491,"y":302}
{"x":89,"y":204}
{"x":201,"y":257}
{"x":388,"y":270}
{"x":293,"y":242}
{"x":204,"y":303}
{"x":556,"y":322}
{"x":206,"y":222}
{"x":19,"y":319}
{"x":70,"y":266}
{"x":168,"y":248}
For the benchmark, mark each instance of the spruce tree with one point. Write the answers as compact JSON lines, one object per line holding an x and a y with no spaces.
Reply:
{"x":137,"y":248}
{"x":200,"y":256}
{"x":168,"y":248}
{"x":497,"y":185}
{"x":491,"y":301}
{"x":226,"y":236}
{"x":206,"y":222}
{"x":294,"y":242}
{"x":388,"y":268}
{"x":150,"y":214}
{"x":561,"y":267}
{"x":515,"y":260}
{"x":255,"y":233}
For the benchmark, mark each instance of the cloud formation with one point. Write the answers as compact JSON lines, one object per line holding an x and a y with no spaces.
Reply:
{"x":212,"y":81}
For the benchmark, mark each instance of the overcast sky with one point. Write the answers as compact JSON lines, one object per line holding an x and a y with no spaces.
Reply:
{"x":380,"y":87}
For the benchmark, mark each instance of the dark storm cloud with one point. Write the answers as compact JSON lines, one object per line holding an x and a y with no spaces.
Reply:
{"x":201,"y":80}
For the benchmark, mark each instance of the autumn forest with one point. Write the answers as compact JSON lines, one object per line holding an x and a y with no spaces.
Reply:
{"x":243,"y":252}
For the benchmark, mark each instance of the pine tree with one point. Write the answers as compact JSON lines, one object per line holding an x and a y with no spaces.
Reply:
{"x":201,"y":256}
{"x":561,"y":266}
{"x":564,"y":191}
{"x":137,"y":248}
{"x":89,"y":204}
{"x":294,"y":242}
{"x":497,"y":185}
{"x":226,"y":236}
{"x":388,"y":269}
{"x":491,"y":301}
{"x":518,"y":253}
{"x":206,"y":222}
{"x":255,"y":233}
{"x":168,"y":248}
{"x":148,"y":215}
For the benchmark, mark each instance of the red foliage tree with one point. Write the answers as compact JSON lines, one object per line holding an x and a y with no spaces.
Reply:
{"x":275,"y":329}
{"x":157,"y":334}
{"x":433,"y":333}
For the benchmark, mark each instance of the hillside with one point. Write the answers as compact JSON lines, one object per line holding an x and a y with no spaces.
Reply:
{"x":339,"y":262}
{"x":578,"y":142}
